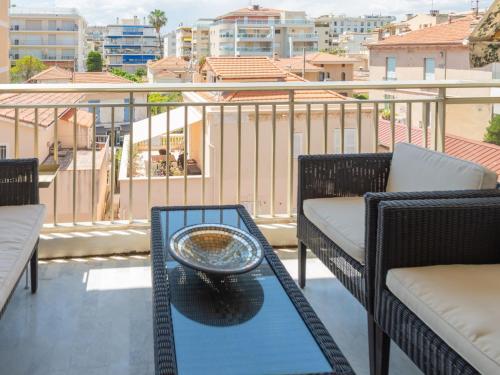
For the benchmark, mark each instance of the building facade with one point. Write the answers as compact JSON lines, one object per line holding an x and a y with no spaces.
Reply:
{"x":169,"y":44}
{"x":4,"y":41}
{"x":341,"y":23}
{"x":183,"y":42}
{"x":201,"y":38}
{"x":258,"y":31}
{"x":55,"y":36}
{"x":130,"y":44}
{"x":94,"y":38}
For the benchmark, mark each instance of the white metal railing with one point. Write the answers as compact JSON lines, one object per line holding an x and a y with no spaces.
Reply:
{"x":244,"y":149}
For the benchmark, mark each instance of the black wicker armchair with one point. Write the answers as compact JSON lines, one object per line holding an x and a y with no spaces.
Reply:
{"x":19,"y":186}
{"x":443,"y":232}
{"x":358,"y":175}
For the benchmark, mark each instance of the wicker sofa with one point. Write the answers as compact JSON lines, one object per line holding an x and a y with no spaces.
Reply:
{"x":338,"y":200}
{"x":438,"y":285}
{"x":21,"y":218}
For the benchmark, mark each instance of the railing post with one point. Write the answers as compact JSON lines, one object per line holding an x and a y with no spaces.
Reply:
{"x":441,"y":144}
{"x":113,"y":166}
{"x":56,"y":161}
{"x":291,"y":125}
{"x":94,"y":141}
{"x":131,"y":156}
{"x":75,"y":155}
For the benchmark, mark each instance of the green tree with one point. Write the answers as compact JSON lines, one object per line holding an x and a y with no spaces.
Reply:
{"x":140,"y":72}
{"x":25,"y":68}
{"x":156,"y":97}
{"x":121,"y":73}
{"x":158,"y":19}
{"x":94,"y":62}
{"x":493,"y":131}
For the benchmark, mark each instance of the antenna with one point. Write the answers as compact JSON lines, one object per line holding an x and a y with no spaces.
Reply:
{"x":475,"y":7}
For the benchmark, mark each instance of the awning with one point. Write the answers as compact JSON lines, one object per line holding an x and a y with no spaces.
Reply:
{"x":159,"y":123}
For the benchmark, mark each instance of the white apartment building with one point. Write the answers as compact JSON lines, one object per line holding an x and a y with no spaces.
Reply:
{"x":4,"y":41}
{"x":169,"y":44}
{"x":130,"y":44}
{"x":340,"y":24}
{"x":258,"y":31}
{"x":355,"y":43}
{"x":54,"y":35}
{"x":201,"y":38}
{"x":183,"y":39}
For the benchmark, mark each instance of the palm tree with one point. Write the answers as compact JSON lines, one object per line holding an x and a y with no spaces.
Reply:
{"x":158,"y":19}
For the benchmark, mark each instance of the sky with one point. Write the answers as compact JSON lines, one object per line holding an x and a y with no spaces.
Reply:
{"x":102,"y":12}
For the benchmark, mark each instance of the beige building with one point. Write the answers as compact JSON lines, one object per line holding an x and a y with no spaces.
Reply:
{"x":55,"y":36}
{"x":258,"y":31}
{"x":37,"y":138}
{"x":201,"y":38}
{"x":434,"y":53}
{"x":169,"y":70}
{"x":183,"y":42}
{"x":219,"y":154}
{"x":4,"y":41}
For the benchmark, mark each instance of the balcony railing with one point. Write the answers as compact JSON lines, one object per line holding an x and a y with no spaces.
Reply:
{"x":234,"y":151}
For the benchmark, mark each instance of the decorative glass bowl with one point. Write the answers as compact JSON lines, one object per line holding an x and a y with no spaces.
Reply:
{"x":216,"y":249}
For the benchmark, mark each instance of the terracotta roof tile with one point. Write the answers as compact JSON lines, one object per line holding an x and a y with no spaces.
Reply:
{"x":52,"y":73}
{"x":294,"y":64}
{"x":169,"y":63}
{"x":45,"y":115}
{"x":328,"y":58}
{"x":483,"y":153}
{"x":259,"y":12}
{"x":244,"y":68}
{"x":454,"y":32}
{"x":84,"y":118}
{"x":98,"y":77}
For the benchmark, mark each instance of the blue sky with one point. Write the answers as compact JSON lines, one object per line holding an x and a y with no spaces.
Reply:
{"x":102,"y":12}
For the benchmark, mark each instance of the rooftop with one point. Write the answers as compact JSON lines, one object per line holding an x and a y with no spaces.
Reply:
{"x":449,"y":33}
{"x":170,"y":63}
{"x":45,"y":115}
{"x":252,"y":11}
{"x":56,"y":73}
{"x":296,"y":64}
{"x":244,"y":69}
{"x":328,"y":58}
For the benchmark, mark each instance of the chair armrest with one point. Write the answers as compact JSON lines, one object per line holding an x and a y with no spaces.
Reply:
{"x":325,"y":176}
{"x":372,"y":202}
{"x":18,"y":182}
{"x":418,"y":233}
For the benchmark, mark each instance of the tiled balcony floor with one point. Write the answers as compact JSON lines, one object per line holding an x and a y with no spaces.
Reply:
{"x":93,"y":316}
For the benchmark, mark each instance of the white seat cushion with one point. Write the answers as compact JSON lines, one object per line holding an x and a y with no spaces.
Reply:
{"x":460,"y":303}
{"x":342,"y":220}
{"x":19,"y":230}
{"x":415,"y":168}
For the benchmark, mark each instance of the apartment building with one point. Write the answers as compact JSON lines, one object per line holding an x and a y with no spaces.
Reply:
{"x":201,"y":38}
{"x":434,"y":53}
{"x":54,"y":35}
{"x":169,"y":44}
{"x":94,"y":37}
{"x":341,"y":23}
{"x":354,"y":43}
{"x":4,"y":41}
{"x":259,"y":31}
{"x":183,"y":42}
{"x":130,"y":44}
{"x":169,"y":70}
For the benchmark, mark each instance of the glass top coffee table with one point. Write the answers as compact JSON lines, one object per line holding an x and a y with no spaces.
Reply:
{"x":253,"y":323}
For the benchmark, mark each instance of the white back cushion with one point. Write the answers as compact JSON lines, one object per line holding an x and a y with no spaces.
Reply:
{"x":415,"y":168}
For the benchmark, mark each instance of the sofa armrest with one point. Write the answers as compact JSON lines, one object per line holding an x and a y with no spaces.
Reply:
{"x":419,"y":233}
{"x":18,"y":182}
{"x":324,"y":176}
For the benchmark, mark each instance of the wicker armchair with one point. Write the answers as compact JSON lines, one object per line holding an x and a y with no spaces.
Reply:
{"x":330,"y":176}
{"x":443,"y":232}
{"x":19,"y":187}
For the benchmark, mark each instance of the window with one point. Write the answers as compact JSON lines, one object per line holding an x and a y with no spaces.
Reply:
{"x":429,"y":69}
{"x":349,"y":141}
{"x":298,"y":142}
{"x":342,"y":76}
{"x":3,"y":152}
{"x":390,"y":68}
{"x":97,"y":110}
